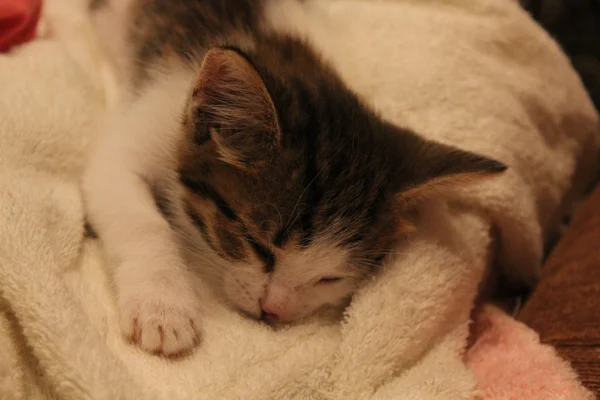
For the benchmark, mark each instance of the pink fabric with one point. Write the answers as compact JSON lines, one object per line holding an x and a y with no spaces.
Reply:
{"x":18,"y":22}
{"x":510,"y":363}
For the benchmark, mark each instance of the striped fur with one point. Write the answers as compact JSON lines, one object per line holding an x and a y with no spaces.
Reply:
{"x":275,"y":175}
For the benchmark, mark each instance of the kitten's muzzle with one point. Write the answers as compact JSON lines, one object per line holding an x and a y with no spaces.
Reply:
{"x":267,"y":314}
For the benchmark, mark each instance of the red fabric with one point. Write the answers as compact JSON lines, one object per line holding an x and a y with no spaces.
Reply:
{"x":18,"y":22}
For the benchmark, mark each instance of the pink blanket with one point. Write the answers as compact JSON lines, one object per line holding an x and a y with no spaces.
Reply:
{"x":18,"y":22}
{"x":510,"y":363}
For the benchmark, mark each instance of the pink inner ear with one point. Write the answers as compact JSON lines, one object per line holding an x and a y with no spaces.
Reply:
{"x":230,"y":84}
{"x":234,"y":99}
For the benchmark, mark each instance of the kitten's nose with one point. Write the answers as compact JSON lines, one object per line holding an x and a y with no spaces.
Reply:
{"x":268,"y":312}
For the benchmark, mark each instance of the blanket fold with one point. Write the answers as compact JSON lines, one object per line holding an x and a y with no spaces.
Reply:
{"x":478,"y":74}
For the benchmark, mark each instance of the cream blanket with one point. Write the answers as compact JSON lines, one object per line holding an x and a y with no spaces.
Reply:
{"x":476,"y":73}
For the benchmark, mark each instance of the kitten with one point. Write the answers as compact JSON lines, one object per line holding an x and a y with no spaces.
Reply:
{"x":240,"y":152}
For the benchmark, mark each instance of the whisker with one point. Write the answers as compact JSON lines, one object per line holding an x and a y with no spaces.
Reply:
{"x":378,"y":253}
{"x":267,"y":229}
{"x":302,"y":194}
{"x":278,"y":212}
{"x":370,"y":265}
{"x":289,"y":226}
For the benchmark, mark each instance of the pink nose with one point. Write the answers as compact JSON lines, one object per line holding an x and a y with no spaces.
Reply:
{"x":268,"y":312}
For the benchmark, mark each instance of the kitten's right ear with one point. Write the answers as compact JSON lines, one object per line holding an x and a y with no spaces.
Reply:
{"x":231,"y":107}
{"x":431,"y":170}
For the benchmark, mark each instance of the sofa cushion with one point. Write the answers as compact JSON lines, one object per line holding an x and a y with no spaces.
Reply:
{"x":565,"y":307}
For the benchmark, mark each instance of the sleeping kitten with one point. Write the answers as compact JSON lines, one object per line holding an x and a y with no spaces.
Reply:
{"x":240,"y":152}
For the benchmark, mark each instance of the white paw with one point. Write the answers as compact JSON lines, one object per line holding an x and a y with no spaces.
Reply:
{"x":161,"y":325}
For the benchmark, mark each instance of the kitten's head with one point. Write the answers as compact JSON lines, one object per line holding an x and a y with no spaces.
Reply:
{"x":298,"y":186}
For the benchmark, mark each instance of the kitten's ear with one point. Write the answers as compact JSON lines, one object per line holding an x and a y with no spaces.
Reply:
{"x":436,"y":169}
{"x":231,"y":107}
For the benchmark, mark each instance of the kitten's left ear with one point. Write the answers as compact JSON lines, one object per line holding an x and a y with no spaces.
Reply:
{"x":433,"y":169}
{"x":231,"y":107}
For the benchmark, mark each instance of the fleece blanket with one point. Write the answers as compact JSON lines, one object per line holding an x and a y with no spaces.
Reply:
{"x":475,"y":73}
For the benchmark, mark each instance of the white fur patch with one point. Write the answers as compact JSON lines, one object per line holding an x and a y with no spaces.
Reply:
{"x":293,"y":290}
{"x":159,"y":310}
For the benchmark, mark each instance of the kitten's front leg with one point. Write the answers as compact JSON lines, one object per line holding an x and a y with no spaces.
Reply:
{"x":158,"y":308}
{"x":157,"y":304}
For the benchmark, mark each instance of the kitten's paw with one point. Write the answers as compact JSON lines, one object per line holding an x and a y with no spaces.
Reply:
{"x":167,"y":327}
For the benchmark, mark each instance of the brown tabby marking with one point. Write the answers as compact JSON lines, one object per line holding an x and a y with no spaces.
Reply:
{"x":253,"y":114}
{"x":333,"y":167}
{"x":278,"y":150}
{"x":184,"y":30}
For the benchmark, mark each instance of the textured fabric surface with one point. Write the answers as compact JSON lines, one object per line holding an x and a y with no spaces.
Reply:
{"x":475,"y":73}
{"x":564,"y":308}
{"x":510,"y":363}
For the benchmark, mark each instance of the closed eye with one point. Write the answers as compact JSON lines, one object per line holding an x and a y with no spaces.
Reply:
{"x":329,"y":280}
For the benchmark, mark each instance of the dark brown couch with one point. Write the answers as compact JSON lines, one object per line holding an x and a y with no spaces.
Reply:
{"x":565,"y":307}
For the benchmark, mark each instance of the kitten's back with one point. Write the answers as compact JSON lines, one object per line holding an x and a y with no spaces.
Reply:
{"x":145,"y":36}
